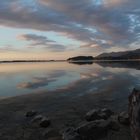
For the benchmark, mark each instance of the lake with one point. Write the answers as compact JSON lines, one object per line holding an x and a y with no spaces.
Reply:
{"x":117,"y":78}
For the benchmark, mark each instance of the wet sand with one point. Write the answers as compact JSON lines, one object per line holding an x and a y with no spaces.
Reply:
{"x":65,"y":108}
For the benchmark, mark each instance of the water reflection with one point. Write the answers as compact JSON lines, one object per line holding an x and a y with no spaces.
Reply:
{"x":119,"y":64}
{"x":101,"y":77}
{"x":113,"y":64}
{"x":82,"y":62}
{"x":37,"y":82}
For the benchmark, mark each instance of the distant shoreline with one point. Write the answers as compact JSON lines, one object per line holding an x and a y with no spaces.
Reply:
{"x":30,"y":61}
{"x":80,"y":61}
{"x":105,"y":60}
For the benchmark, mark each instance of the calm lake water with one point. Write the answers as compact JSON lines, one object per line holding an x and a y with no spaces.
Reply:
{"x":24,"y":78}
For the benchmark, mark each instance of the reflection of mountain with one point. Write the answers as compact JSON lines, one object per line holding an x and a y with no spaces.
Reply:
{"x":113,"y":64}
{"x":82,"y":62}
{"x":120,"y":64}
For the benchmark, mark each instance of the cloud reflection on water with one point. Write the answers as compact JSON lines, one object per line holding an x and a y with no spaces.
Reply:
{"x":37,"y":82}
{"x":83,"y":79}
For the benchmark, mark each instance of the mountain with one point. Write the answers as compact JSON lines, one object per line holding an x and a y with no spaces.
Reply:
{"x":134,"y":54}
{"x":126,"y":55}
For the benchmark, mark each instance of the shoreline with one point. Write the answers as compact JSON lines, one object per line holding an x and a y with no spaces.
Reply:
{"x":72,"y":61}
{"x":63,"y":109}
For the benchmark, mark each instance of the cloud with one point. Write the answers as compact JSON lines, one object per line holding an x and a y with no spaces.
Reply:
{"x":39,"y":40}
{"x":33,"y":37}
{"x":36,"y":39}
{"x":88,"y":21}
{"x":110,"y":18}
{"x":112,"y":3}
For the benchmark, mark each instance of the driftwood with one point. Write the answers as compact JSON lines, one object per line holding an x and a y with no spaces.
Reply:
{"x":134,"y":114}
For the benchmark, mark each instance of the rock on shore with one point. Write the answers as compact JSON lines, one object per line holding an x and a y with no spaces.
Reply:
{"x":134,"y":114}
{"x":98,"y":123}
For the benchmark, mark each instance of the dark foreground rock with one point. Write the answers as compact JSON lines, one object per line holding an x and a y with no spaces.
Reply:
{"x":114,"y":125}
{"x":134,"y":113}
{"x":71,"y":134}
{"x":40,"y":120}
{"x":96,"y":129}
{"x":123,"y":118}
{"x":97,"y":114}
{"x":52,"y":134}
{"x":31,"y":113}
{"x":37,"y":118}
{"x":45,"y":122}
{"x":91,"y":130}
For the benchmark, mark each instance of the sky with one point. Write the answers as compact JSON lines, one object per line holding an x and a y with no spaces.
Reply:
{"x":59,"y":29}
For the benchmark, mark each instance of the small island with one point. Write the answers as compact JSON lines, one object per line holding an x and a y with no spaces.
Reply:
{"x":81,"y":58}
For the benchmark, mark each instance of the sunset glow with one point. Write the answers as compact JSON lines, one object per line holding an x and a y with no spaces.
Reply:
{"x":59,"y":29}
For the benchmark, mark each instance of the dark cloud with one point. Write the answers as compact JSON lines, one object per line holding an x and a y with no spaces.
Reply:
{"x":35,"y":39}
{"x":39,"y":40}
{"x":112,"y":23}
{"x":89,"y":21}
